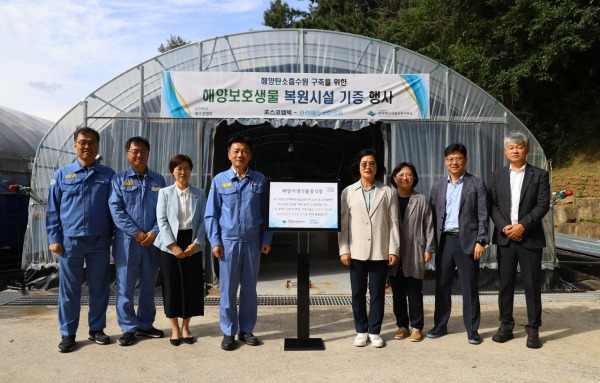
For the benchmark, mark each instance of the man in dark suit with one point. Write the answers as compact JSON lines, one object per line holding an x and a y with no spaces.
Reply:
{"x":520,"y":196}
{"x":460,"y":215}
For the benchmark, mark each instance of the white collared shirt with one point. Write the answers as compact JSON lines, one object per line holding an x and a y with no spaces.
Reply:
{"x":185,"y":209}
{"x":516,"y":182}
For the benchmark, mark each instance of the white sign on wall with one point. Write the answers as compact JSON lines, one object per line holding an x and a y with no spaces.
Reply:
{"x":295,"y":95}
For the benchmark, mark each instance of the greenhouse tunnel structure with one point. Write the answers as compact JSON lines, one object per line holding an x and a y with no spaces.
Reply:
{"x":129,"y":105}
{"x":20,"y":135}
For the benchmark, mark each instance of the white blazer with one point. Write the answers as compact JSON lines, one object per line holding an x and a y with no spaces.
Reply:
{"x":167,"y":216}
{"x":369,"y":235}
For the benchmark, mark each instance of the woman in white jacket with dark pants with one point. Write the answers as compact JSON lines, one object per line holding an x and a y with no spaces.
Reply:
{"x":369,"y":243}
{"x":180,"y":216}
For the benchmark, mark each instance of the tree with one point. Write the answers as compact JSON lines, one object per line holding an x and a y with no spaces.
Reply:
{"x":541,"y":59}
{"x":354,"y":16}
{"x":172,"y":43}
{"x":552,"y":68}
{"x":280,"y":15}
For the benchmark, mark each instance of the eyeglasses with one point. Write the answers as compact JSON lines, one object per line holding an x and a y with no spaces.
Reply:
{"x":402,"y":175}
{"x":458,"y":160}
{"x":369,"y":164}
{"x":136,"y":153}
{"x":183,"y":170}
{"x":91,"y":144}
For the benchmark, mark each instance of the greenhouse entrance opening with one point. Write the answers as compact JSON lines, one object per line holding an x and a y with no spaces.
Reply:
{"x":301,"y":153}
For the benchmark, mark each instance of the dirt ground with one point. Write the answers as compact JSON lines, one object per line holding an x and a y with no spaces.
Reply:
{"x":582,"y":176}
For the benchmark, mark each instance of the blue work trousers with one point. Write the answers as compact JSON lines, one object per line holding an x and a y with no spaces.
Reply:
{"x":95,"y":252}
{"x":238,"y":267}
{"x":135,"y":263}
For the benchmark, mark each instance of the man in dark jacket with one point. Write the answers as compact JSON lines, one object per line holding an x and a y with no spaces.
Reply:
{"x":520,"y":199}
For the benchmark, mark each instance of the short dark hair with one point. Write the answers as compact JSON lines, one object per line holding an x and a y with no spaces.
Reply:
{"x":456,"y":147}
{"x":240,"y":140}
{"x":399,"y":167}
{"x":86,"y":130}
{"x":137,"y":140}
{"x":368,"y":152}
{"x":179,"y":158}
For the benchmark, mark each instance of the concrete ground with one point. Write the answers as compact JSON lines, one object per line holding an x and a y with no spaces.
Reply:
{"x":570,"y":334}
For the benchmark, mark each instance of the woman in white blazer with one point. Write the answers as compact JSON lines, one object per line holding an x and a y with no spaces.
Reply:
{"x":369,"y":243}
{"x":417,"y":239}
{"x":180,"y":216}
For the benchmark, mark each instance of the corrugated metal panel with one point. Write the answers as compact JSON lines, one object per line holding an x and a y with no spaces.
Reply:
{"x":582,"y":245}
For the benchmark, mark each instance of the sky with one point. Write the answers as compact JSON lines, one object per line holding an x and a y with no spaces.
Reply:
{"x":53,"y":53}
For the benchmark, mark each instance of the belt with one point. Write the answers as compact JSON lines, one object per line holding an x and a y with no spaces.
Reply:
{"x":453,"y":234}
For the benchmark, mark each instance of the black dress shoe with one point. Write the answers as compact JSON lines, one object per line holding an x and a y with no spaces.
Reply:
{"x":188,"y":339}
{"x":175,"y":342}
{"x":248,"y":338}
{"x":474,"y":337}
{"x":503,"y":335}
{"x":437,"y":332}
{"x":228,"y":342}
{"x":533,"y":340}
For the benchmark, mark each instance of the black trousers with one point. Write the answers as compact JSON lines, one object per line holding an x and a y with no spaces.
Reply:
{"x":447,"y":259}
{"x":530,"y":260}
{"x":371,"y":275}
{"x":183,"y":281}
{"x":411,"y":288}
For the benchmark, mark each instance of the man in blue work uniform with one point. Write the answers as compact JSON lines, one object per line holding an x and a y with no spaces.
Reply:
{"x":79,"y":229}
{"x":133,"y":207}
{"x":235,"y":226}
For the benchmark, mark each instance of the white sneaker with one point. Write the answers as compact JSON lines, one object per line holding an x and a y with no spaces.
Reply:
{"x":376,"y":340}
{"x":361,"y":339}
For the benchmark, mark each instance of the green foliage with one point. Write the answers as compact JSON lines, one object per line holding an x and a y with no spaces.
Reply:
{"x":172,"y":43}
{"x":356,"y":17}
{"x":540,"y":58}
{"x":281,"y":15}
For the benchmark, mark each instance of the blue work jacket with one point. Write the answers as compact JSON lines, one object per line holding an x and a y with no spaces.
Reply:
{"x":133,"y":201}
{"x":78,"y":202}
{"x":236,"y":209}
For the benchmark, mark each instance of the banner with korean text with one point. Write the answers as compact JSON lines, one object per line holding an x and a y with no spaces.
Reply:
{"x":295,"y":95}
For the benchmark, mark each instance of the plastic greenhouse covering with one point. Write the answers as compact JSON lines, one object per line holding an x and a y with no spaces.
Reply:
{"x":20,"y":134}
{"x":129,"y":105}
